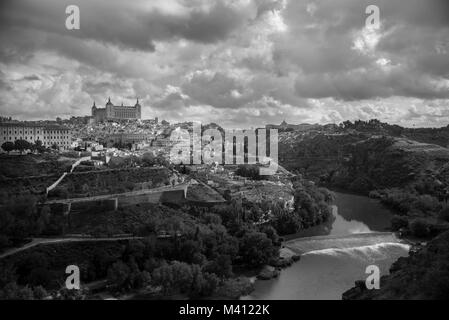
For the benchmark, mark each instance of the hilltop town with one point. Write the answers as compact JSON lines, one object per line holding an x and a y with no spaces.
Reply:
{"x":105,"y":194}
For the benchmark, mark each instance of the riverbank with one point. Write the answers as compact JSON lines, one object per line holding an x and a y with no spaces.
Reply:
{"x":334,"y":255}
{"x":423,"y":275}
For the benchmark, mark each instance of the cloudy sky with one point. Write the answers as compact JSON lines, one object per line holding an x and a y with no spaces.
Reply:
{"x":240,"y":63}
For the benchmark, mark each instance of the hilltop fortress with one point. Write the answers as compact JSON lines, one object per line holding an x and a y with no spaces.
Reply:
{"x":112,"y":112}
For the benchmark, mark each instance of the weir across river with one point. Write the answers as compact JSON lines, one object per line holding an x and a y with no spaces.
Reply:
{"x":309,"y":244}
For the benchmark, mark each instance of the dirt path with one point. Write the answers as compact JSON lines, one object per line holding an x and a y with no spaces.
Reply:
{"x":46,"y":241}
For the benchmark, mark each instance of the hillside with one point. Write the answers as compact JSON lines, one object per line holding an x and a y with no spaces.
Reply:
{"x":409,"y":176}
{"x":363,"y":162}
{"x":421,"y":276}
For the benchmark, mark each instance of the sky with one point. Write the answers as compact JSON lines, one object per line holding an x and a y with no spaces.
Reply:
{"x":239,"y":63}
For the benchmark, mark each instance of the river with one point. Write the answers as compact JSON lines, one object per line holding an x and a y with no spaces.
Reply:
{"x":336,"y":254}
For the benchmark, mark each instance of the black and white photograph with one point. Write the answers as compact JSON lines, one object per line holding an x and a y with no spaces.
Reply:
{"x":224,"y":155}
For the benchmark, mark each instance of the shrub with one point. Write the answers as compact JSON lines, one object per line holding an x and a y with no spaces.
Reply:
{"x":427,"y":203}
{"x":360,"y":184}
{"x":4,"y":242}
{"x":8,"y":146}
{"x":39,"y":293}
{"x":398,"y":222}
{"x":375,"y":194}
{"x":419,"y":227}
{"x":287,"y":223}
{"x":444,"y":214}
{"x":248,"y":171}
{"x":256,"y":249}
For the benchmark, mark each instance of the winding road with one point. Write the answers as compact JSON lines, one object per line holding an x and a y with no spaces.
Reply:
{"x":47,"y":241}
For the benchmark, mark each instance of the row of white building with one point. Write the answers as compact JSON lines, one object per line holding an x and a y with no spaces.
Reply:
{"x":49,"y":134}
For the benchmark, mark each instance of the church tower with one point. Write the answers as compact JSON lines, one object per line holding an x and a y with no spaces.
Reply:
{"x":138,"y":110}
{"x":94,"y":110}
{"x":109,"y":109}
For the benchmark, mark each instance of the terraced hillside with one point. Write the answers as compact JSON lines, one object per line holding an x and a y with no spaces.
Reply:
{"x":93,"y":183}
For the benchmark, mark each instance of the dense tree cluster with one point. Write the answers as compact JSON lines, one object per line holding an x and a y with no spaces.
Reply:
{"x":20,"y":219}
{"x":311,"y":207}
{"x":195,"y":259}
{"x":23,"y":145}
{"x":372,"y":126}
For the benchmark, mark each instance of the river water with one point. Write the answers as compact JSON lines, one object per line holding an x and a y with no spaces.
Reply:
{"x":335,"y":255}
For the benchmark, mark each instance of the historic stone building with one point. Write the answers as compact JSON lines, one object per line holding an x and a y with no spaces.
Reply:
{"x":112,"y":112}
{"x":49,"y":134}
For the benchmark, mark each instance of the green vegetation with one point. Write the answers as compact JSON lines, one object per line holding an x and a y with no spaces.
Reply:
{"x":84,"y":184}
{"x":191,"y":254}
{"x":148,"y":159}
{"x":185,"y":279}
{"x":444,"y":213}
{"x":419,"y":227}
{"x":311,"y":208}
{"x":21,"y":219}
{"x":398,"y":222}
{"x":22,"y":145}
{"x":8,"y":146}
{"x":249,"y":171}
{"x":191,"y":251}
{"x":30,"y":165}
{"x":373,"y":158}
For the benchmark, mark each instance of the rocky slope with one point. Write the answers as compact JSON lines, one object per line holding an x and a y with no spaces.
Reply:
{"x":422,"y":275}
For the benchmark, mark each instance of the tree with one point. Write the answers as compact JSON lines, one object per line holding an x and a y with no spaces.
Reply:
{"x":398,"y":222}
{"x":256,"y":249}
{"x":8,"y":146}
{"x":38,"y":146}
{"x":118,"y":275}
{"x":14,"y":292}
{"x":176,"y":276}
{"x":39,"y":292}
{"x":148,"y":159}
{"x":4,"y":242}
{"x":22,"y":145}
{"x":419,"y":227}
{"x":444,"y":214}
{"x":287,"y":223}
{"x":248,"y":171}
{"x":221,"y":266}
{"x":141,"y":279}
{"x":271,"y":234}
{"x":188,"y":250}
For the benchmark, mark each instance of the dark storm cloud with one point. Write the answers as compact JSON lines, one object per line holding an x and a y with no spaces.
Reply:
{"x":215,"y":24}
{"x":130,"y":24}
{"x":231,"y":59}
